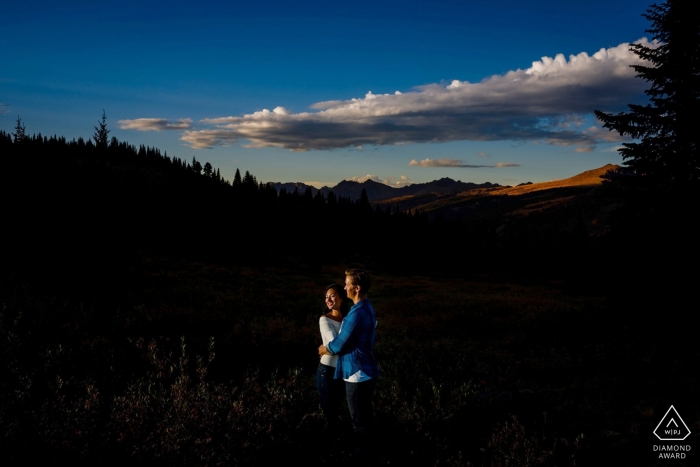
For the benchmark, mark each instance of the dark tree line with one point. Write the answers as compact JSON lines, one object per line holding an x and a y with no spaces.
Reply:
{"x":79,"y":212}
{"x":84,"y":205}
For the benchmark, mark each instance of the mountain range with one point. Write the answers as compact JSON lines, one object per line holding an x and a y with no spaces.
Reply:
{"x":442,"y":188}
{"x":380,"y":192}
{"x":450,"y":198}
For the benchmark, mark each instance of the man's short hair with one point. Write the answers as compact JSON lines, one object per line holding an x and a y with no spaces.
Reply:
{"x":359,"y":277}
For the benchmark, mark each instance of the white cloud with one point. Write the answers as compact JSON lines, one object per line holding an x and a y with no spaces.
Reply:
{"x":456,"y":163}
{"x":208,"y":138}
{"x":546,"y":102}
{"x":435,"y":163}
{"x":603,"y":134}
{"x":402,"y":180}
{"x":569,"y":121}
{"x":374,"y":178}
{"x":155,"y":124}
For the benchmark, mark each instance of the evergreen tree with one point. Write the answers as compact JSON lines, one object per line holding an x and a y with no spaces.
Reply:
{"x":669,"y":143}
{"x":196,"y":166}
{"x":101,"y":132}
{"x":249,"y":180}
{"x":308,"y":195}
{"x":364,"y":199}
{"x":237,"y":178}
{"x":208,"y":169}
{"x":363,"y":205}
{"x":20,"y":133}
{"x":332,"y":200}
{"x":319,"y":200}
{"x":5,"y":142}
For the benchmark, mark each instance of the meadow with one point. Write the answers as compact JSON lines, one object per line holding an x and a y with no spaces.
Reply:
{"x":203,"y":363}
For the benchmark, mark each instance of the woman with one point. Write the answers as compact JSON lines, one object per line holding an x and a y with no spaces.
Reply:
{"x":331,"y":390}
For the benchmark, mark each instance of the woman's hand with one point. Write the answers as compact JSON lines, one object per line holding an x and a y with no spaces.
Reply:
{"x":322,"y":351}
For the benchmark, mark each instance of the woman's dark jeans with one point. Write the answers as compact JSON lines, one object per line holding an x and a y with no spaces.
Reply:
{"x":331,"y":391}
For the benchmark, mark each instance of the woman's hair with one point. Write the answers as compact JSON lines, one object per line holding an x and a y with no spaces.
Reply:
{"x":340,"y":291}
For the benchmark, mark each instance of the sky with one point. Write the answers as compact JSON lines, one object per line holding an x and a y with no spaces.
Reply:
{"x":323,"y":91}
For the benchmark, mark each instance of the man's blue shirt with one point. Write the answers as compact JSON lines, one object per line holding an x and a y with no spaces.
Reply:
{"x":355,"y":342}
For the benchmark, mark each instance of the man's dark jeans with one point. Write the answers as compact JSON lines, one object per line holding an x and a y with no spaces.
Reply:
{"x":359,"y":397}
{"x":331,"y":392}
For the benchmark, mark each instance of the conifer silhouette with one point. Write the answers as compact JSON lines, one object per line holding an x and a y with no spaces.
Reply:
{"x":196,"y":166}
{"x":20,"y":133}
{"x":669,"y":149}
{"x":101,"y":135}
{"x":208,"y":169}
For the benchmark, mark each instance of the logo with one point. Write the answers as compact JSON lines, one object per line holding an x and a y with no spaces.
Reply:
{"x":672,"y":427}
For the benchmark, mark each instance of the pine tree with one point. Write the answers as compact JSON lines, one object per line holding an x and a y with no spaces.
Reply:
{"x":20,"y":133}
{"x":332,"y":200}
{"x":237,"y":178}
{"x":364,"y":199}
{"x":196,"y":166}
{"x":208,"y":169}
{"x":669,"y":143}
{"x":249,"y":180}
{"x":319,"y":200}
{"x":363,"y":203}
{"x":308,"y":195}
{"x":101,"y":135}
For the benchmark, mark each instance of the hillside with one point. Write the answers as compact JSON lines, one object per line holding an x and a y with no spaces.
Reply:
{"x":445,"y":187}
{"x":588,"y":178}
{"x":485,"y":201}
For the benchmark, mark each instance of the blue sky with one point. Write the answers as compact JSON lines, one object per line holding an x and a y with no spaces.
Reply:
{"x":205,"y":79}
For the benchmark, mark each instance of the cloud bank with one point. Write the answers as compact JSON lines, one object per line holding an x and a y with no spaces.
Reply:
{"x":456,"y":163}
{"x":546,"y":102}
{"x":155,"y":124}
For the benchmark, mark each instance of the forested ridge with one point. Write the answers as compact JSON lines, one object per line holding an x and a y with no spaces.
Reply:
{"x":78,"y":207}
{"x":76,"y":198}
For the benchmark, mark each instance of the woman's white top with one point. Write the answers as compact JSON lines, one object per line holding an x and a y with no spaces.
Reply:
{"x":329,"y":331}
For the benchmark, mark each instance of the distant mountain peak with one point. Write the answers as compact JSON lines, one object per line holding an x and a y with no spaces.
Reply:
{"x":377,"y":191}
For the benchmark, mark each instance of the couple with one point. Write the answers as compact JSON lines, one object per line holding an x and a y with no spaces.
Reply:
{"x":347,"y":364}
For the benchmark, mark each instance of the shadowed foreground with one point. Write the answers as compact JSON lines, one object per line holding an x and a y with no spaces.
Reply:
{"x":480,"y":370}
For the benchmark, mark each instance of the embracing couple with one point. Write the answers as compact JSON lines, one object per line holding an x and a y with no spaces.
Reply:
{"x":348,"y":367}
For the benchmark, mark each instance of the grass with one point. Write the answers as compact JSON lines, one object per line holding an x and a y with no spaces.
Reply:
{"x":206,"y":364}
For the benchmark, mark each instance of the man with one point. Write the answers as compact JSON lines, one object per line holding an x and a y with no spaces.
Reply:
{"x":354,"y":346}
